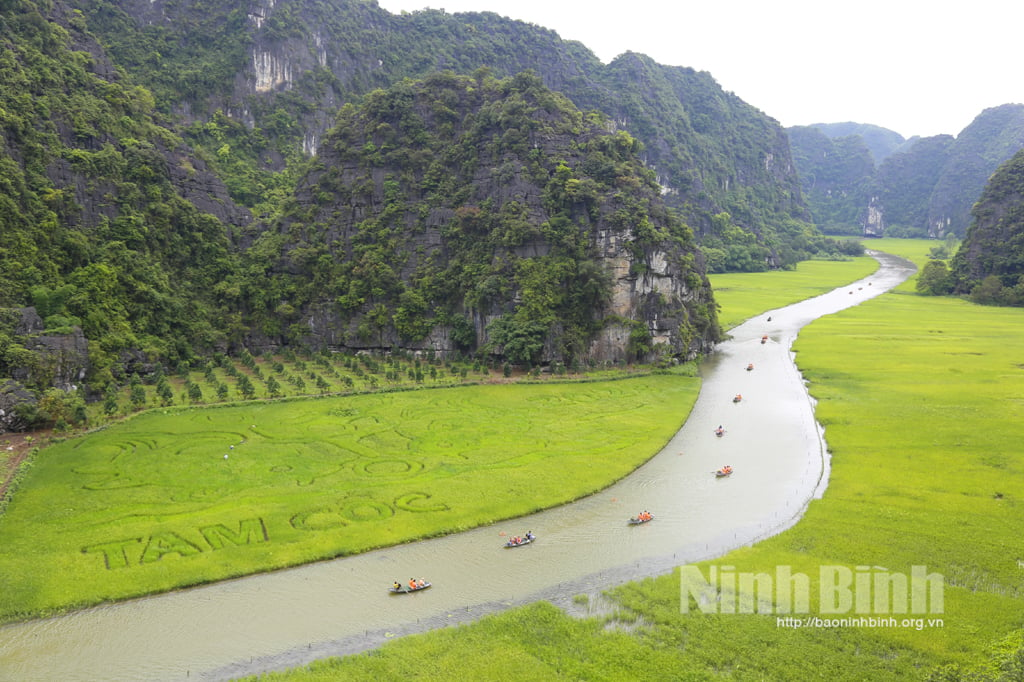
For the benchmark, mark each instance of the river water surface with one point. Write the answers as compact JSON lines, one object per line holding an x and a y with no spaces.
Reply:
{"x":293,"y":616}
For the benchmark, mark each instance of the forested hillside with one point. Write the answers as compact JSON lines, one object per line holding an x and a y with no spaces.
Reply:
{"x":110,"y":224}
{"x":279,"y":71}
{"x":473,"y":214}
{"x":923,"y":187}
{"x":989,"y":265}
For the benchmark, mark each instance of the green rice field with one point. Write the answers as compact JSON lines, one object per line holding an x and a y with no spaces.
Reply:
{"x":181,"y":496}
{"x":922,"y":401}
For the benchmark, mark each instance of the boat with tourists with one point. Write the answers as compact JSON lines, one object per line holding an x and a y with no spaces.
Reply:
{"x":413,"y":586}
{"x":642,"y":517}
{"x":724,"y":471}
{"x":520,"y":540}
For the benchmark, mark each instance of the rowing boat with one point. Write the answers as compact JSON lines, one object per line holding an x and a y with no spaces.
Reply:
{"x":405,"y":589}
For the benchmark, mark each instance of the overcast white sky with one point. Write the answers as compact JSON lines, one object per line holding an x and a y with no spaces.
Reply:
{"x":916,"y":67}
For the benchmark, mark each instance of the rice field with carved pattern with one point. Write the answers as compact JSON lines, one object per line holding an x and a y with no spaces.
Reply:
{"x":180,"y":496}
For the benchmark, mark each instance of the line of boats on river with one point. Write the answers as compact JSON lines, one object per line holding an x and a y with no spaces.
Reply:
{"x":529,"y":537}
{"x":417,"y":585}
{"x":727,"y":470}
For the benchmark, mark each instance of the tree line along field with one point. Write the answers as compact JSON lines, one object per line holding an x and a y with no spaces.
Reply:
{"x":287,"y":374}
{"x":922,"y":405}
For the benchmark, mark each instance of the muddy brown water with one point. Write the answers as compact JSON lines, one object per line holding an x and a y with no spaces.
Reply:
{"x":291,"y":617}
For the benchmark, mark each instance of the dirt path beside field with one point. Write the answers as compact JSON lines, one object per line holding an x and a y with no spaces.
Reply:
{"x":16,"y":449}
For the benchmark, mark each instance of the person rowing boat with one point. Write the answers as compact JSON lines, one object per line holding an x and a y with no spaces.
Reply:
{"x":413,"y":586}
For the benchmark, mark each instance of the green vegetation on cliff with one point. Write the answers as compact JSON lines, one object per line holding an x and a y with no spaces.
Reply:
{"x":102,"y":227}
{"x":492,"y":212}
{"x":989,"y":264}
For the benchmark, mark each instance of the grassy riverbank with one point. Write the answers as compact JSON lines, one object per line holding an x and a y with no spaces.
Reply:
{"x":742,"y":295}
{"x":178,"y":497}
{"x":922,"y":400}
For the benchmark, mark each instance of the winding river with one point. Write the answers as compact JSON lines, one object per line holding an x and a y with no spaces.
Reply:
{"x":291,"y":617}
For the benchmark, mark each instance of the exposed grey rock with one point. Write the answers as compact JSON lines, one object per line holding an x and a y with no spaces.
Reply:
{"x":62,"y":361}
{"x":55,"y":360}
{"x":15,"y":402}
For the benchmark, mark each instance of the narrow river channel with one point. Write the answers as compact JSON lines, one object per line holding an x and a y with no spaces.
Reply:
{"x":291,"y":617}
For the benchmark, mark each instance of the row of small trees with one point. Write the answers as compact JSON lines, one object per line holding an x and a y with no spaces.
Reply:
{"x":305,"y":374}
{"x":224,"y":378}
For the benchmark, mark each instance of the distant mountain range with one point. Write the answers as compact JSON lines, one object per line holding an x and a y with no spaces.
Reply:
{"x":180,"y":178}
{"x":862,"y":179}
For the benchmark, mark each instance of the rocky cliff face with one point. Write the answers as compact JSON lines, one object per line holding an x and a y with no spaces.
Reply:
{"x":45,"y":360}
{"x":711,"y":151}
{"x":980,"y":148}
{"x":465,"y":214}
{"x":874,"y":222}
{"x":994,"y":244}
{"x":643,"y":297}
{"x":32,"y":361}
